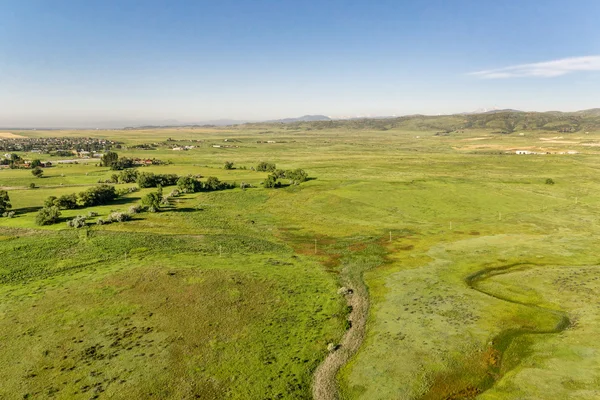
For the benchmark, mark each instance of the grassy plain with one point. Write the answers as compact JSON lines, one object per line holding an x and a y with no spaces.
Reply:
{"x":223,"y":295}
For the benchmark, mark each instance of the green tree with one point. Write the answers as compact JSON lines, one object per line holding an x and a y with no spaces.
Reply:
{"x":37,"y":172}
{"x":36,"y":163}
{"x":4,"y":201}
{"x":109,"y":159}
{"x":265,"y":167}
{"x":66,"y":202}
{"x":96,"y":196}
{"x":228,"y":165}
{"x":272,"y":182}
{"x":48,"y":216}
{"x":127,"y":176}
{"x":152,"y":201}
{"x":212,"y":183}
{"x":188,"y":184}
{"x":146,"y":180}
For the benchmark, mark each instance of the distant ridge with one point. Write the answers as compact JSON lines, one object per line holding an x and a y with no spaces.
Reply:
{"x":304,"y":118}
{"x":500,"y":121}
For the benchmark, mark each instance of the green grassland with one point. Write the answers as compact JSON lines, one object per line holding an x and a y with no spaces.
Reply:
{"x":471,"y":262}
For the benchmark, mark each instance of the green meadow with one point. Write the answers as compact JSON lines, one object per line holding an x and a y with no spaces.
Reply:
{"x":470,"y":275}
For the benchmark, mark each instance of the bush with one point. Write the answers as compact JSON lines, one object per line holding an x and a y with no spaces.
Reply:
{"x":119,"y":217}
{"x":92,"y":214}
{"x":135,"y":209}
{"x":124,"y":191}
{"x":77,"y":222}
{"x":8,"y":214}
{"x":549,"y":181}
{"x":37,"y":172}
{"x":48,"y":216}
{"x":245,"y":185}
{"x":228,"y":165}
{"x":174,"y":193}
{"x":32,"y":185}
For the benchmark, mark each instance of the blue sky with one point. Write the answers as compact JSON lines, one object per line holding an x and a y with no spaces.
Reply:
{"x":76,"y":63}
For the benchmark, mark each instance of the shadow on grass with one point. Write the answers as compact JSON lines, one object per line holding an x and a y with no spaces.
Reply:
{"x":26,"y":210}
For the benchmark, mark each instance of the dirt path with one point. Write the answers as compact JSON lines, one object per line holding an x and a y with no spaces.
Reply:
{"x":324,"y":381}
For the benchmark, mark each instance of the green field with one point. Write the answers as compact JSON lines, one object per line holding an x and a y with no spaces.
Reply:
{"x":472,"y":277}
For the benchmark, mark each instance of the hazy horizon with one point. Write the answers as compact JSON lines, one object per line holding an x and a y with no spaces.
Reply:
{"x":85,"y":64}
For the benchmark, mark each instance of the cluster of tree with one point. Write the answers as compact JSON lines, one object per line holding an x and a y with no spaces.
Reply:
{"x":295,"y":176}
{"x":190,"y":184}
{"x":150,"y":179}
{"x":125,"y":176}
{"x":265,"y":167}
{"x":95,"y":196}
{"x":112,"y":160}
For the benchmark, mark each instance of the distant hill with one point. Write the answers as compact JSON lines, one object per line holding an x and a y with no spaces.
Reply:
{"x":499,"y":121}
{"x":304,"y":118}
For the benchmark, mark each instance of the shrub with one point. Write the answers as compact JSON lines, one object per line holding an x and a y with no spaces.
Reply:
{"x":48,"y":216}
{"x":245,"y":185}
{"x":119,"y":217}
{"x":92,"y":214}
{"x":37,"y":172}
{"x":228,"y":165}
{"x":174,"y":193}
{"x":32,"y":185}
{"x":549,"y":181}
{"x":36,"y":163}
{"x":77,"y":222}
{"x":136,"y":209}
{"x":124,"y":191}
{"x":8,"y":214}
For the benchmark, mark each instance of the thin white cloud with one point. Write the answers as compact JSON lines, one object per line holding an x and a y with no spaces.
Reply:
{"x":546,"y":69}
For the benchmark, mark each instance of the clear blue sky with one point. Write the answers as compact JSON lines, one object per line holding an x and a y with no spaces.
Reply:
{"x":78,"y":62}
